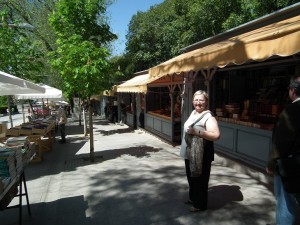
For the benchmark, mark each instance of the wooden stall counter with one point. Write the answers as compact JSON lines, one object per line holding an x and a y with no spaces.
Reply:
{"x":157,"y":114}
{"x":40,"y":131}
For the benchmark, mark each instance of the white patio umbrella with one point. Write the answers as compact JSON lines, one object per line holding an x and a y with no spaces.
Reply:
{"x":11,"y":85}
{"x":50,"y":93}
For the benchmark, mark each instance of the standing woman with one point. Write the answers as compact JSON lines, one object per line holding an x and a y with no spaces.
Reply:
{"x":207,"y":129}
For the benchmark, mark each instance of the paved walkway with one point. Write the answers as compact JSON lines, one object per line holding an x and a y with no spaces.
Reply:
{"x":135,"y":179}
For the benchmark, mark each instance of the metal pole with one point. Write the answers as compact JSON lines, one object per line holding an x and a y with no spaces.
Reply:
{"x":9,"y":111}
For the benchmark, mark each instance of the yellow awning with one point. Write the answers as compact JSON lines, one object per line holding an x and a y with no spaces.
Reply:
{"x":280,"y":38}
{"x":136,"y":84}
{"x":107,"y":93}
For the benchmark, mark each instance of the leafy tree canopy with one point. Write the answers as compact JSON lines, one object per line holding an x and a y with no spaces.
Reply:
{"x":158,"y":34}
{"x":19,"y":54}
{"x":82,"y":54}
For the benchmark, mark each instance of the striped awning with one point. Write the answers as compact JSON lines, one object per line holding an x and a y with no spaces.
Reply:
{"x":277,"y":39}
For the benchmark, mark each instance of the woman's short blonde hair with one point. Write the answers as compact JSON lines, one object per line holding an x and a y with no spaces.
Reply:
{"x":201,"y":92}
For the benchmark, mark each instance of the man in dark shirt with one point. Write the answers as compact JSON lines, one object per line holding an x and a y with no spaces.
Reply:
{"x":286,"y":142}
{"x":123,"y":111}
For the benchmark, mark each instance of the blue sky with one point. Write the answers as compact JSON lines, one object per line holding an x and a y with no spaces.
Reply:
{"x":120,"y":13}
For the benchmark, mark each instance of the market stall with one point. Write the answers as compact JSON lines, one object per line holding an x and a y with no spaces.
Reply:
{"x":132,"y":93}
{"x":163,"y":107}
{"x":246,"y":75}
{"x":155,"y":103}
{"x":247,"y":112}
{"x":39,"y":131}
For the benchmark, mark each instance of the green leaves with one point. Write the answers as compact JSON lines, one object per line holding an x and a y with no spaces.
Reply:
{"x":84,"y":18}
{"x":81,"y":56}
{"x":158,"y":34}
{"x":19,"y":54}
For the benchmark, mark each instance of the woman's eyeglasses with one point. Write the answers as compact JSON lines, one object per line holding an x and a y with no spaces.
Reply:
{"x":199,"y":100}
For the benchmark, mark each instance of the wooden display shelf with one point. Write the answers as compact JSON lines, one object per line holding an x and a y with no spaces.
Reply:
{"x":159,"y":115}
{"x":12,"y":132}
{"x":43,"y":138}
{"x":39,"y":131}
{"x":24,"y":132}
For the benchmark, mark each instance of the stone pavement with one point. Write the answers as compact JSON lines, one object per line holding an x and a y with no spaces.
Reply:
{"x":136,"y":179}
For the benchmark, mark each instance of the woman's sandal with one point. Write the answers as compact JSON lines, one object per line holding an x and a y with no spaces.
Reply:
{"x":193,"y":209}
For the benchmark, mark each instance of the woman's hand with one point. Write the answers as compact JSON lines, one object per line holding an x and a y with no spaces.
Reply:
{"x":191,"y":130}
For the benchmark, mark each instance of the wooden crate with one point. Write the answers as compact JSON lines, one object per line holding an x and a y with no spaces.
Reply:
{"x":38,"y":131}
{"x":13,"y":132}
{"x":25,"y":132}
{"x":46,"y":144}
{"x":38,"y":148}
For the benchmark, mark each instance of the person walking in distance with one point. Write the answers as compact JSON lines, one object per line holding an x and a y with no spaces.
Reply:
{"x":286,"y":146}
{"x":62,"y":120}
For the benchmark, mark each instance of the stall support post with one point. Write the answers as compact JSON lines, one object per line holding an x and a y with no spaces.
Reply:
{"x":171,"y":95}
{"x":22,"y":181}
{"x":134,"y":113}
{"x":208,"y":75}
{"x":21,"y":194}
{"x":119,"y":99}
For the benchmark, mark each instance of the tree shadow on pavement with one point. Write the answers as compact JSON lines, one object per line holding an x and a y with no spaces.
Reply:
{"x":55,"y":160}
{"x":73,"y":129}
{"x":101,"y":122}
{"x":67,"y":211}
{"x":220,"y":195}
{"x":142,"y":193}
{"x":138,"y":152}
{"x":116,"y":131}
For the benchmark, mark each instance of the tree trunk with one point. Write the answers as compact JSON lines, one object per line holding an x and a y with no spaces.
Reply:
{"x":79,"y":106}
{"x":92,"y":153}
{"x":84,"y":123}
